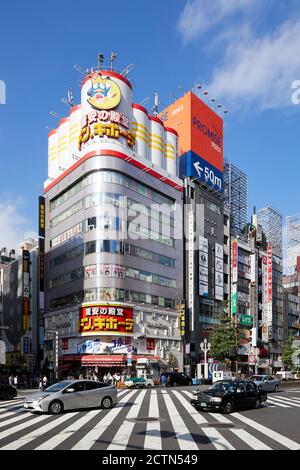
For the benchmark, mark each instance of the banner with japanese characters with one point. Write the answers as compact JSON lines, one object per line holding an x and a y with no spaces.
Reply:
{"x":106,"y":320}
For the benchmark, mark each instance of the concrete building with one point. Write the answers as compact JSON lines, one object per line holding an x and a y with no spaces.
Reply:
{"x":293,"y":242}
{"x":236,"y":197}
{"x":271,"y":221}
{"x":19,"y":310}
{"x":113,"y":266}
{"x":291,"y":289}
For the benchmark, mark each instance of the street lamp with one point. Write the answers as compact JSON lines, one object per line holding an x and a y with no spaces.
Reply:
{"x":205,"y":347}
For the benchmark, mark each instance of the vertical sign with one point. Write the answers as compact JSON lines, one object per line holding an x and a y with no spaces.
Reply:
{"x":42,"y":263}
{"x":191,"y":269}
{"x":41,"y":216}
{"x":270,"y":290}
{"x":219,"y":268}
{"x":203,"y":266}
{"x":26,"y":301}
{"x":234,"y":261}
{"x":264,"y":335}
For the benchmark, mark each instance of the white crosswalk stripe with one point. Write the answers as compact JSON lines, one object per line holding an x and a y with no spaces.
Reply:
{"x":288,"y":401}
{"x":115,"y":429}
{"x":285,"y":441}
{"x":11,"y":402}
{"x":37,"y":432}
{"x":90,"y":438}
{"x":121,"y":439}
{"x":153,"y":432}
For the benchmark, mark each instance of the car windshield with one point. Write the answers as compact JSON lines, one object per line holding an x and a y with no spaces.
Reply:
{"x":257,"y":378}
{"x":57,"y":387}
{"x":223,"y":387}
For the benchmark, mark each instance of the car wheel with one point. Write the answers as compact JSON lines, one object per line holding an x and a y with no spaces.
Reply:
{"x":276,"y":388}
{"x":228,"y":408}
{"x":106,"y":403}
{"x":56,"y":407}
{"x":257,"y":404}
{"x":149,"y":386}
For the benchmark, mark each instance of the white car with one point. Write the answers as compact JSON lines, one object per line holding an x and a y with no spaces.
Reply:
{"x":139,"y":382}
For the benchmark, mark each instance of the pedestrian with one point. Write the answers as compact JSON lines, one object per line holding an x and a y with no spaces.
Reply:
{"x":109,"y":378}
{"x":105,"y":378}
{"x":80,"y":377}
{"x":45,"y":382}
{"x":11,"y":380}
{"x":164,"y":380}
{"x":40,"y":382}
{"x":16,"y":381}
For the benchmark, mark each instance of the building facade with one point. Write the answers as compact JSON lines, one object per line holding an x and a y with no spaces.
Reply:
{"x":293,"y":242}
{"x":236,"y":197}
{"x":19,"y":311}
{"x":113,"y":244}
{"x":291,"y":288}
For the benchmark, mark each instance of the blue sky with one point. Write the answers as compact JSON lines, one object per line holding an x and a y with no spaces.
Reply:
{"x":246,"y":52}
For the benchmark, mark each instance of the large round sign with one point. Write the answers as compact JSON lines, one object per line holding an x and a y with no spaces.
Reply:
{"x":104,"y":93}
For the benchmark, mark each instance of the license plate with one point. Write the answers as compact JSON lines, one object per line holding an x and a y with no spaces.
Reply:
{"x":204,"y":405}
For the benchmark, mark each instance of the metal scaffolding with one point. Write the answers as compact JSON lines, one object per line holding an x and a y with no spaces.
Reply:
{"x":236,"y":196}
{"x":271,"y":221}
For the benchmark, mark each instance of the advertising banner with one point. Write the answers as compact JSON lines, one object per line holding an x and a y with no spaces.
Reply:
{"x":219,"y":279}
{"x":42,"y":264}
{"x":264,"y":333}
{"x":106,"y":319}
{"x":26,"y":294}
{"x":191,"y":269}
{"x":41,"y":216}
{"x":203,"y":266}
{"x":234,"y":261}
{"x":270,"y":290}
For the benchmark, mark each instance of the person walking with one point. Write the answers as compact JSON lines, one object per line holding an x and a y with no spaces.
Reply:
{"x":164,"y":380}
{"x":11,"y":380}
{"x":40,"y":384}
{"x":45,"y":382}
{"x":16,"y":381}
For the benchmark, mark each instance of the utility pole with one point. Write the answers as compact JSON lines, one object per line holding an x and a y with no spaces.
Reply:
{"x":205,"y":347}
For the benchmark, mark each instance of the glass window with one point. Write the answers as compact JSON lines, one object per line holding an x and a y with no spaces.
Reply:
{"x":250,"y":387}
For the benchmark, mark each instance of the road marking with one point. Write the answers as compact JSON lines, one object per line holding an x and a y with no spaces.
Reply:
{"x":217,"y":439}
{"x":250,"y":440}
{"x":13,"y":420}
{"x":63,"y":435}
{"x":12,"y":413}
{"x":38,"y":432}
{"x":291,"y":399}
{"x":275,"y":402}
{"x":121,"y":438}
{"x":90,"y":438}
{"x":285,"y":441}
{"x":183,"y":436}
{"x":153,"y":432}
{"x":191,"y":410}
{"x":20,"y":427}
{"x":296,"y":398}
{"x":286,"y":401}
{"x":11,"y":402}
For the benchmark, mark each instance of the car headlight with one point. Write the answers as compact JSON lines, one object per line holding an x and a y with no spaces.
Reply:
{"x":42,"y":398}
{"x":216,"y":400}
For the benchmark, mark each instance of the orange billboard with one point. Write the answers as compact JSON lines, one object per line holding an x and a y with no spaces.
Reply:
{"x":199,"y":128}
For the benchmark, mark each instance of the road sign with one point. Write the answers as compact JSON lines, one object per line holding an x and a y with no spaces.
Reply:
{"x":252,"y":358}
{"x":246,"y":320}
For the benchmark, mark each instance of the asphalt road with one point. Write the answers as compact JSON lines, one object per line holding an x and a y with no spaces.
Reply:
{"x":160,"y":419}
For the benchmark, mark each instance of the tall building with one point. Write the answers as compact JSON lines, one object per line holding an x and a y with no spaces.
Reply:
{"x":271,"y":221}
{"x":19,"y":311}
{"x":207,"y":222}
{"x":236,"y":197}
{"x":293,"y":242}
{"x":291,"y":290}
{"x":113,"y":244}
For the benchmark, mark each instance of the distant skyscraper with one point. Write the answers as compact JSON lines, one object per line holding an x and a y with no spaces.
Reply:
{"x":293,"y":241}
{"x":236,"y":196}
{"x":271,"y":221}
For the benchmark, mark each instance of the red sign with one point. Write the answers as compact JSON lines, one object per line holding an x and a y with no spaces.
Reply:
{"x":252,"y":358}
{"x":150,"y":344}
{"x":64,"y":344}
{"x":106,"y":319}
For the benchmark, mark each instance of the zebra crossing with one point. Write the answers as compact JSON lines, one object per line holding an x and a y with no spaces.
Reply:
{"x":144,"y":419}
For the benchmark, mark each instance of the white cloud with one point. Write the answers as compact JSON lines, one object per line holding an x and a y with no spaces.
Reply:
{"x":14,"y":227}
{"x":260,"y":71}
{"x":199,"y":16}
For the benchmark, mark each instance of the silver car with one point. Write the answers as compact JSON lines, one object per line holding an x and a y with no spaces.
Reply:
{"x":266,"y":382}
{"x":71,"y":395}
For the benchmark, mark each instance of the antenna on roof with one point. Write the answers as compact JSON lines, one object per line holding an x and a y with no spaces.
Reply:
{"x":127,"y":69}
{"x":156,"y":104}
{"x":100,"y":60}
{"x":80,"y":70}
{"x":113,"y":57}
{"x":56,"y":115}
{"x":145,"y":101}
{"x":70,"y":100}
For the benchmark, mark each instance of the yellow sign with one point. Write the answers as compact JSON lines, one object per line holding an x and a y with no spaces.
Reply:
{"x":112,"y":131}
{"x":104,"y":93}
